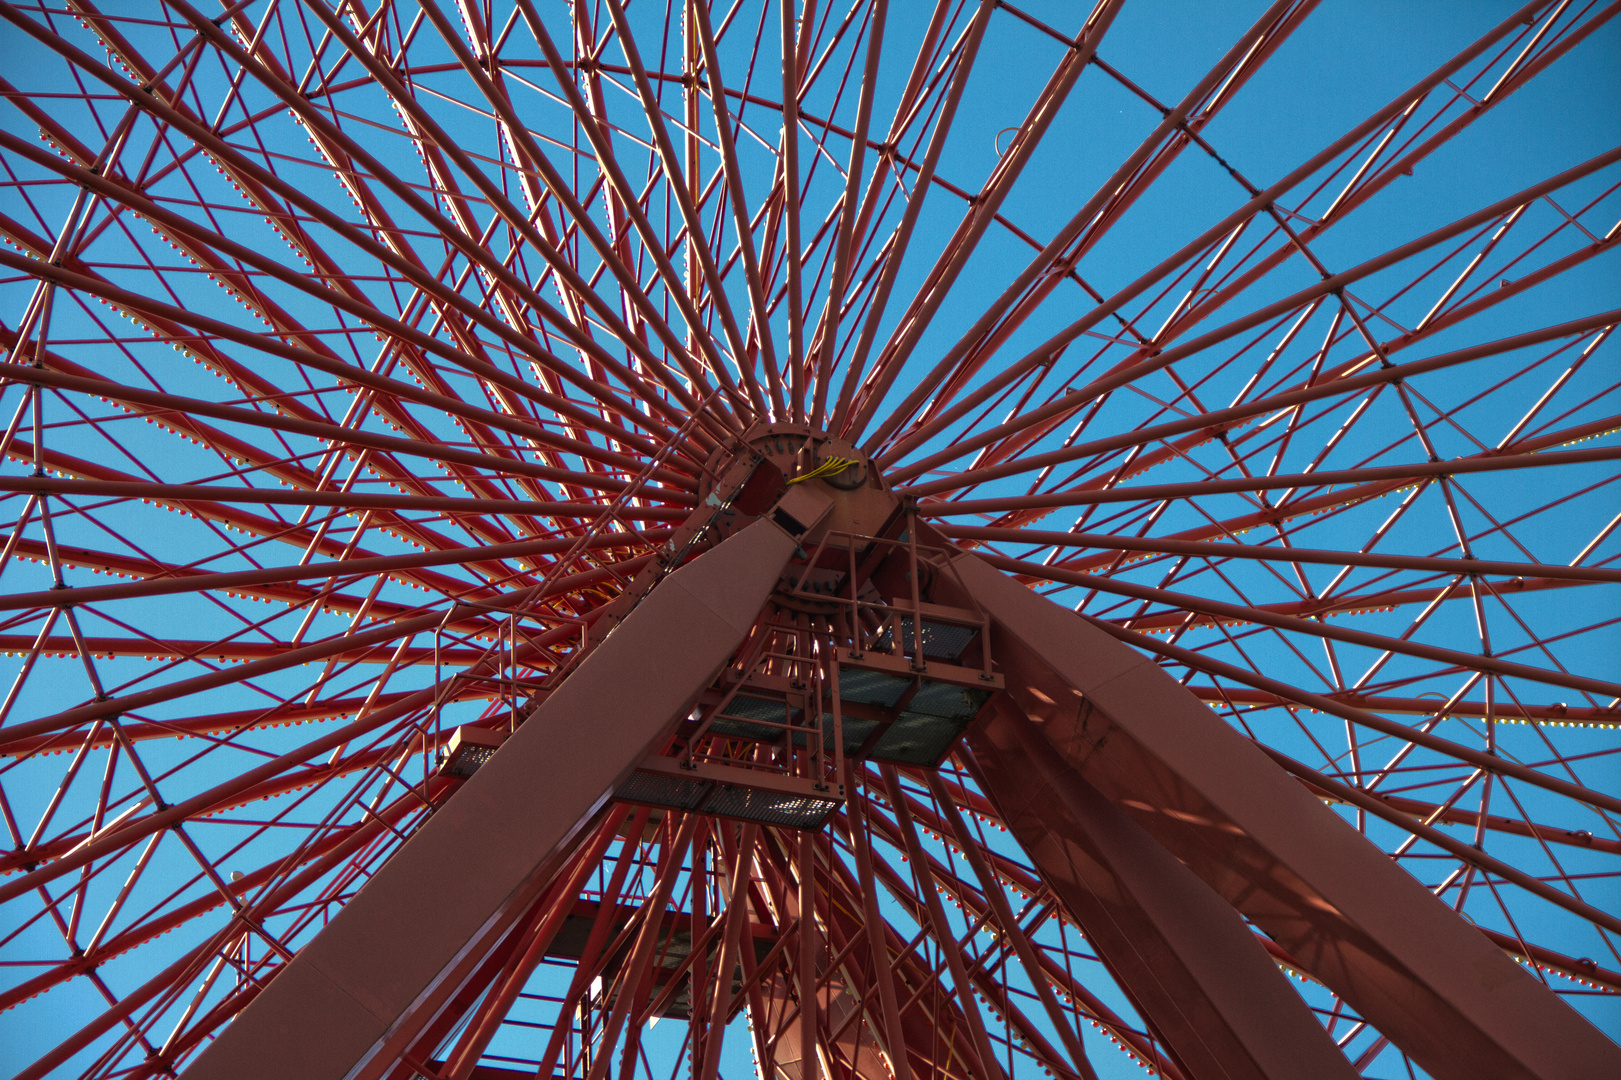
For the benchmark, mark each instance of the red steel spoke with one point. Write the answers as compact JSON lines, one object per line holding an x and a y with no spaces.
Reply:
{"x":379,"y":373}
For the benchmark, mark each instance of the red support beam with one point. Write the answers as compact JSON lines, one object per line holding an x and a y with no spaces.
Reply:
{"x":1221,"y":609}
{"x":353,"y":997}
{"x":1380,"y":478}
{"x":200,"y":581}
{"x":344,"y":500}
{"x":1398,"y":956}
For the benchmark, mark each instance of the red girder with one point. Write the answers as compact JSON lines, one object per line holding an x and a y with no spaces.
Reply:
{"x":550,"y":473}
{"x":1405,"y":163}
{"x":1135,"y":367}
{"x":1418,"y":736}
{"x":1180,"y":772}
{"x":1475,"y":710}
{"x":971,"y":899}
{"x":283,"y":714}
{"x":320,"y":651}
{"x":1371,"y":482}
{"x":1222,"y":611}
{"x":1095,"y":217}
{"x":1347,"y":377}
{"x":340,"y":852}
{"x":1214,"y":233}
{"x":349,"y":500}
{"x":223,"y":152}
{"x":234,"y":580}
{"x":1212,"y":550}
{"x":101,"y":562}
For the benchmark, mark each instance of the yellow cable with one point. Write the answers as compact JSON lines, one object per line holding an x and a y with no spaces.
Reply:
{"x":827,"y":468}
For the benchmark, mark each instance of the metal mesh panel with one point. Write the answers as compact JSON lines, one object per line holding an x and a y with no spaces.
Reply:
{"x":917,"y":739}
{"x":756,"y":708}
{"x":734,"y":719}
{"x":468,"y":759}
{"x":941,"y":641}
{"x":743,"y":729}
{"x":856,"y":731}
{"x":770,"y":807}
{"x":676,"y":792}
{"x":948,"y":700}
{"x":871,"y":687}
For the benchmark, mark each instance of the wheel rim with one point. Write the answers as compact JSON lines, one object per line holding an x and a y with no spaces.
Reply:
{"x":359,"y":314}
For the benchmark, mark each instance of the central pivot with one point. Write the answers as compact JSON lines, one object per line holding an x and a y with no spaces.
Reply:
{"x":786,"y":456}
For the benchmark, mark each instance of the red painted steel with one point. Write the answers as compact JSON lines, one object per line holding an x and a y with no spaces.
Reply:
{"x":352,"y":996}
{"x":1403,"y":960}
{"x":392,"y":355}
{"x":1184,"y":957}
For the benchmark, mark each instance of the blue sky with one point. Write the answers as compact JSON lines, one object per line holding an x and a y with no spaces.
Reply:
{"x":1348,"y":59}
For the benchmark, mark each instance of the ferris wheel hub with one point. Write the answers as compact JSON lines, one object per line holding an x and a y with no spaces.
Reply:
{"x":749,"y":477}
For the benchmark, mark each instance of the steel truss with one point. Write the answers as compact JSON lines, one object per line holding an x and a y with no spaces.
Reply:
{"x":589,"y":604}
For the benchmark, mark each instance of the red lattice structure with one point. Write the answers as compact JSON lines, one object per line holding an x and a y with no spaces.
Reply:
{"x":784,"y":520}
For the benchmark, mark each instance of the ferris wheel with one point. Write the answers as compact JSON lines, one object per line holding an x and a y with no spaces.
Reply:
{"x":842,"y":540}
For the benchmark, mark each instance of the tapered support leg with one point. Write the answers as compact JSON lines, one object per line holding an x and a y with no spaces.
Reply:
{"x":357,"y":993}
{"x":1436,"y":986}
{"x":1190,"y":964}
